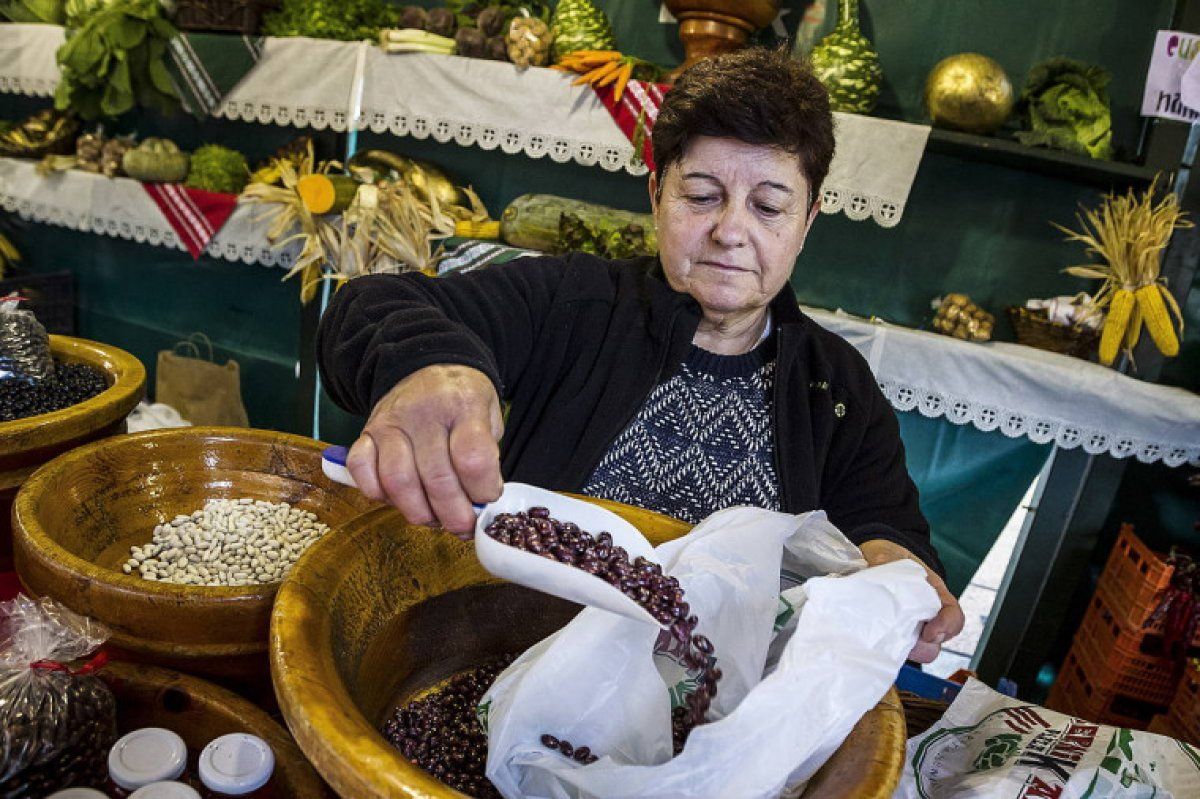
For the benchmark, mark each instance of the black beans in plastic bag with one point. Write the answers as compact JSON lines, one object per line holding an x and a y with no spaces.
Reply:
{"x":57,"y":721}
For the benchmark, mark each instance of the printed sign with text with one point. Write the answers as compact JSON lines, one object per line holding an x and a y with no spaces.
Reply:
{"x":1174,"y":52}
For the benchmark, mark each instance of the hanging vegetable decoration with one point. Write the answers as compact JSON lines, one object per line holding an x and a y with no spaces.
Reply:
{"x":1064,"y":106}
{"x":1129,"y":233}
{"x":115,"y":62}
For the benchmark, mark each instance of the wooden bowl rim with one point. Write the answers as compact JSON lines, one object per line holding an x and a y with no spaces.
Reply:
{"x":110,"y":405}
{"x":39,"y":542}
{"x":333,"y":730}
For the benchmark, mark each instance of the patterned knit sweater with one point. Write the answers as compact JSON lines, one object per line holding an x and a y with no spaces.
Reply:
{"x":702,"y":441}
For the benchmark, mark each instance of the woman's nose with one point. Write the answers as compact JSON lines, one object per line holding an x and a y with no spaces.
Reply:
{"x":730,"y":227}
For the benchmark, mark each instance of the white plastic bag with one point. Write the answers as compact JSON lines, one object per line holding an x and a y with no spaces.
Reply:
{"x":991,"y":745}
{"x":597,"y":682}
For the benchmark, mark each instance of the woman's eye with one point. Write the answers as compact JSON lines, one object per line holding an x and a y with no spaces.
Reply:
{"x":768,"y":210}
{"x":701,"y":199}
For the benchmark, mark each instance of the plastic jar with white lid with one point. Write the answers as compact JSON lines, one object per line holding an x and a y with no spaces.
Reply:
{"x":165,"y":790}
{"x":239,"y":765}
{"x":150,"y":754}
{"x":78,"y":793}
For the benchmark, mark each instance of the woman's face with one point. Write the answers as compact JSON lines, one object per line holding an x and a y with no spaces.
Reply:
{"x":732,"y":217}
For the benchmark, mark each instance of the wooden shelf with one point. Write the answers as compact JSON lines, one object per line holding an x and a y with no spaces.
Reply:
{"x":1055,"y":163}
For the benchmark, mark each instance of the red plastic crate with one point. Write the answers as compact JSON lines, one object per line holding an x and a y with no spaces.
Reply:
{"x":1074,"y":693}
{"x":1133,"y":581}
{"x":1124,"y":660}
{"x":1162,"y":725}
{"x":1185,"y":707}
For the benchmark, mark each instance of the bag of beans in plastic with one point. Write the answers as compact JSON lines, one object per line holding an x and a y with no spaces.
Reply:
{"x":57,"y":718}
{"x":718,"y":684}
{"x":24,"y":343}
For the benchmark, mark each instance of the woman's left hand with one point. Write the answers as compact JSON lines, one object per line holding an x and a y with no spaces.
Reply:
{"x":941,"y":628}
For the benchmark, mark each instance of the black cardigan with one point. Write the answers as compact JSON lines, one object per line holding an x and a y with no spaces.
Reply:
{"x":577,"y":343}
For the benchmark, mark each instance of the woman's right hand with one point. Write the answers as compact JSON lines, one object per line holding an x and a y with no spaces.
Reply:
{"x":431,"y":447}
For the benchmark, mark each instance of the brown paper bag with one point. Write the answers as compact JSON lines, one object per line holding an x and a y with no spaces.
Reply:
{"x":203,"y":392}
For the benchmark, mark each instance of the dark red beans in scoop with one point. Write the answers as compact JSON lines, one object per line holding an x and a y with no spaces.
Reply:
{"x":441,"y":733}
{"x":71,"y":384}
{"x":642,"y":581}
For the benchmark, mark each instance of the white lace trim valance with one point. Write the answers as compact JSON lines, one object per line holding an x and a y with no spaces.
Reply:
{"x":27,"y":63}
{"x":321,"y":84}
{"x":121,"y":208}
{"x":1025,"y":392}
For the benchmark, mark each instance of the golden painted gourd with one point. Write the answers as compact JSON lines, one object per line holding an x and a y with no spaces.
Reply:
{"x":579,"y":25}
{"x":848,"y":65}
{"x":968,"y":92}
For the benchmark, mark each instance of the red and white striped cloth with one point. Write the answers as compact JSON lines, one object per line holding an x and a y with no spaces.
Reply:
{"x":639,"y":97}
{"x":196,"y":215}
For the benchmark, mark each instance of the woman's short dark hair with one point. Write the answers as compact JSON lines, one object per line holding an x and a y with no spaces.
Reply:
{"x":757,"y":95}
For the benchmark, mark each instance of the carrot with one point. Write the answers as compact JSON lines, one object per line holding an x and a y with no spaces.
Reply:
{"x":611,"y":68}
{"x":623,"y":80}
{"x":609,"y":76}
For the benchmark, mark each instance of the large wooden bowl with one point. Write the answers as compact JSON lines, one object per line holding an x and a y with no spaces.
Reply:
{"x":148,"y":696}
{"x":25,"y":444}
{"x":75,"y":519}
{"x":374,"y":615}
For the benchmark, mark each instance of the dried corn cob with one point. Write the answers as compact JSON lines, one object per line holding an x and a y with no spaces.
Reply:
{"x":1158,"y":321}
{"x":1119,"y":311}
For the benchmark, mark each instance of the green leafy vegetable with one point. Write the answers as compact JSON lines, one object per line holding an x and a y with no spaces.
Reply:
{"x":346,"y":20}
{"x":1064,"y":106}
{"x":217,"y":168}
{"x":50,"y":12}
{"x":114,"y":60}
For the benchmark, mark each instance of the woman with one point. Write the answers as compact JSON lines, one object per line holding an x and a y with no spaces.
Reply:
{"x":685,"y":383}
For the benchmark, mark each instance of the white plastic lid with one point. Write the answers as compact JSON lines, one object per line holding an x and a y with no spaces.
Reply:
{"x":148,"y":755}
{"x":236,"y":764}
{"x":78,"y":793}
{"x":165,"y":790}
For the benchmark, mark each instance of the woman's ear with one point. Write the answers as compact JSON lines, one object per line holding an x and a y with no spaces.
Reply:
{"x":653,"y":184}
{"x":812,"y":215}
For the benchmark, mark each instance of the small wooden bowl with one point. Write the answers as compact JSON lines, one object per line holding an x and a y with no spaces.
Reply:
{"x":75,"y":519}
{"x":148,"y":696}
{"x":383,"y":610}
{"x":26,"y":444}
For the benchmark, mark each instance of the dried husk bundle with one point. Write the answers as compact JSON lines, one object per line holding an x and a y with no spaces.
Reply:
{"x":1128,"y":233}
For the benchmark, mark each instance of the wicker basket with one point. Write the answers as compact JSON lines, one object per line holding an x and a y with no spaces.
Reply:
{"x":1035,"y":330}
{"x":238,"y":16}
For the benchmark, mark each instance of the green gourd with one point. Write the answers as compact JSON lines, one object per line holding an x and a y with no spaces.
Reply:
{"x":847,"y":64}
{"x":156,"y":160}
{"x":579,"y":25}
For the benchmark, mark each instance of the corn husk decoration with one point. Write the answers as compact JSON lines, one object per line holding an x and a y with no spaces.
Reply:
{"x":386,"y":228}
{"x":1129,"y":234}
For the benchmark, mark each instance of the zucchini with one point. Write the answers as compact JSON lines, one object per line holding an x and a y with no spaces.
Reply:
{"x":535,"y":221}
